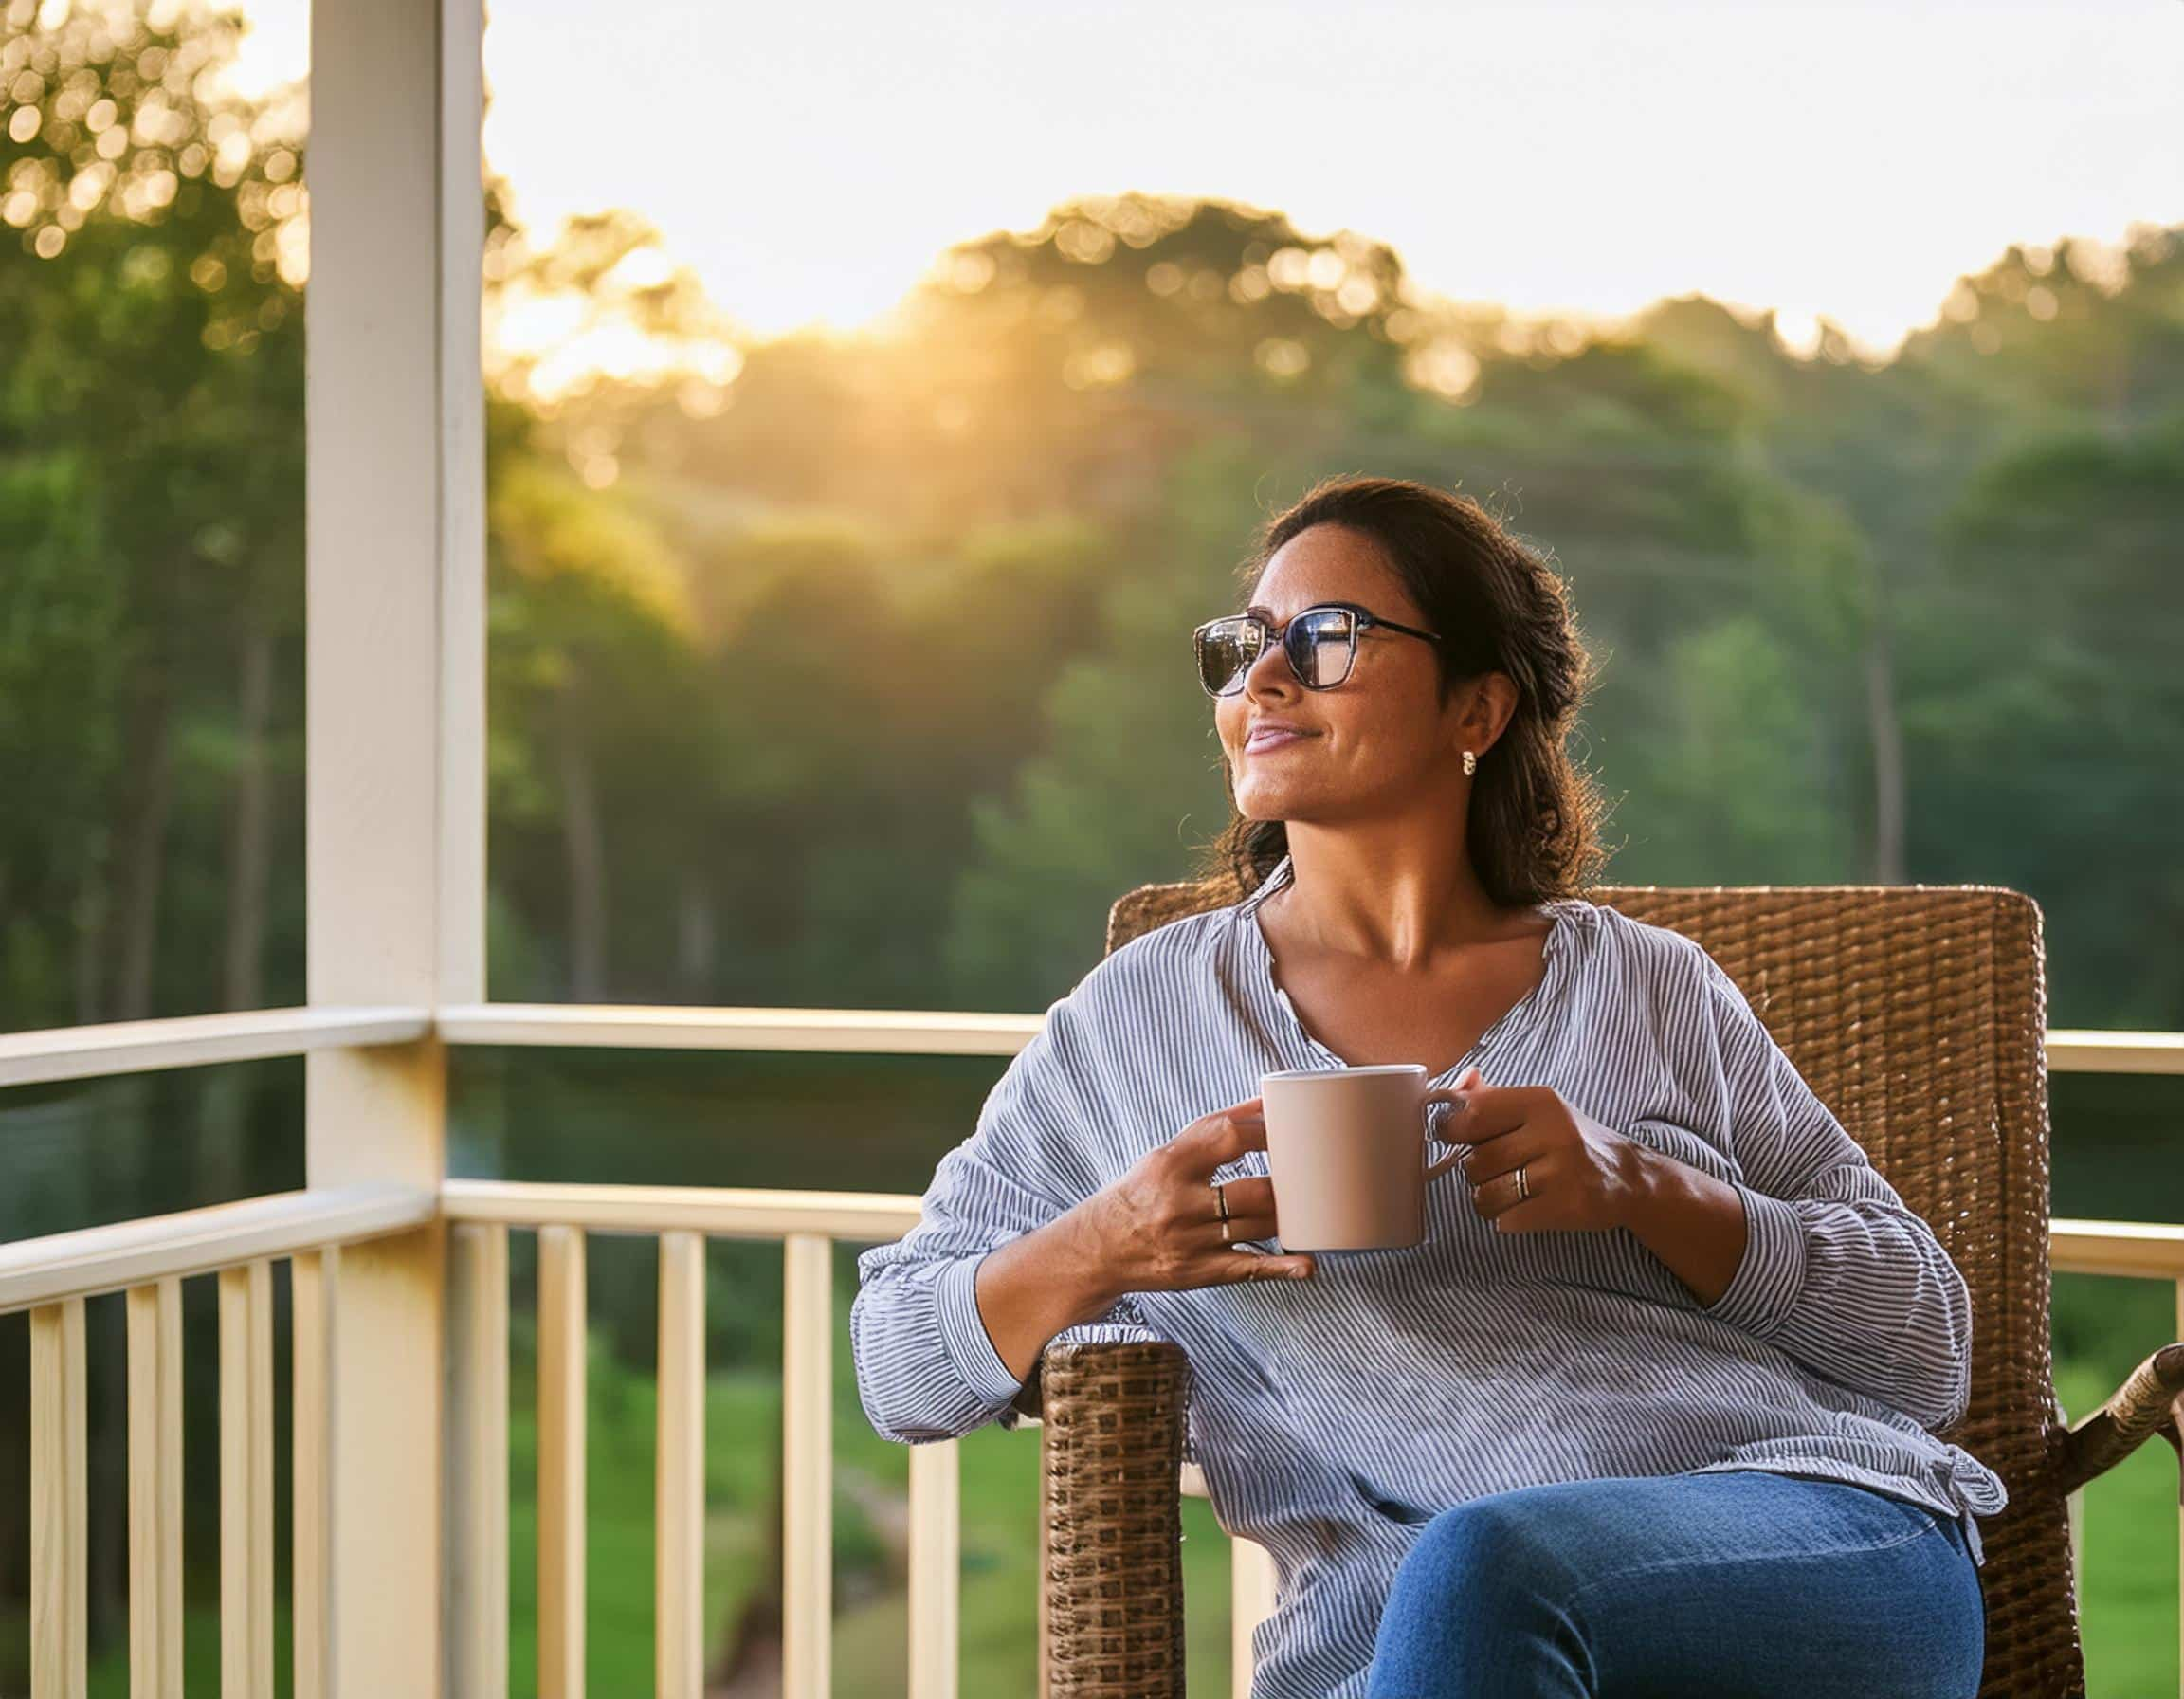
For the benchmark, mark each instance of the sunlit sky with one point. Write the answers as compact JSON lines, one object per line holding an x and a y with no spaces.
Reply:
{"x":808,"y":161}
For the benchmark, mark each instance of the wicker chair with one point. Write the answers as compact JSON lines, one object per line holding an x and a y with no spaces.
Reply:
{"x":1918,"y":1014}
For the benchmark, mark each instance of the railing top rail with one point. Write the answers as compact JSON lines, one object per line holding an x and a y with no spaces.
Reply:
{"x":2088,"y":1050}
{"x":193,"y":1040}
{"x":677,"y":1026}
{"x":2150,"y":1250}
{"x":725,"y":1211}
{"x":131,"y":1047}
{"x":105,"y":1259}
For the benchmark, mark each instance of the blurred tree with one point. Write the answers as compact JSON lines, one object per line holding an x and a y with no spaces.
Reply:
{"x":151,"y":598}
{"x":2047,"y":718}
{"x":594,"y":676}
{"x":148,"y":487}
{"x":1125,"y":775}
{"x":1061,"y":369}
{"x":2065,"y":329}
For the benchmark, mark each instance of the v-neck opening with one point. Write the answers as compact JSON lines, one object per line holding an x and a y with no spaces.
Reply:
{"x":1301,"y":1037}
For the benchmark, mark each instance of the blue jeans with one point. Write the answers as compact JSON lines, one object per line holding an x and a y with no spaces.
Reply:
{"x":1735,"y":1585}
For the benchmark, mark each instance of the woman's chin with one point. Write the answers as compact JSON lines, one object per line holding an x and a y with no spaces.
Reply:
{"x":1261,"y":802}
{"x":1271,"y":798}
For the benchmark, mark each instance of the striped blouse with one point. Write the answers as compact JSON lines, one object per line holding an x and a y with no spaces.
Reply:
{"x":1333,"y":1416}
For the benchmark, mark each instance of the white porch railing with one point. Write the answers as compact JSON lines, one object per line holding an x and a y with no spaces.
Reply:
{"x":238,"y":1243}
{"x":148,"y":1260}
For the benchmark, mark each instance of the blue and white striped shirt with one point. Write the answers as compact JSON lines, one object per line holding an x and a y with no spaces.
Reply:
{"x":1333,"y":1416}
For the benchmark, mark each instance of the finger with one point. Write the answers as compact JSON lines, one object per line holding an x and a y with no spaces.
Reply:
{"x":1504,"y":1153}
{"x":1527,"y":1216}
{"x":1469,"y":1081}
{"x":1233,"y":1268}
{"x":1243,"y":1228}
{"x":1213,"y":1139}
{"x":1251,"y":1209}
{"x":1447,"y":1106}
{"x":1252,"y":1195}
{"x":1491,"y":1111}
{"x":1495,"y":1197}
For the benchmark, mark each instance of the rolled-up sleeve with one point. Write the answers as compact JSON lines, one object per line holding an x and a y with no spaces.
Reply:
{"x":926,"y":1367}
{"x":1837,"y":1270}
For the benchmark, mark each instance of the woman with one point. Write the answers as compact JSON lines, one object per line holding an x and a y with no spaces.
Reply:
{"x":1652,"y":1408}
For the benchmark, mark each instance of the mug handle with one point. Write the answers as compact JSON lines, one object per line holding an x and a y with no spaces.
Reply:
{"x":1443,"y":1094}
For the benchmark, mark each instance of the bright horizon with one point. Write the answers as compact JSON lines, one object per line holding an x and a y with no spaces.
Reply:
{"x":1849,"y":161}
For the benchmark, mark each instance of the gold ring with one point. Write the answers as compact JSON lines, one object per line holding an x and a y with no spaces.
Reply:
{"x":1221,"y":1197}
{"x":1522,"y":1193}
{"x":1224,"y":1238}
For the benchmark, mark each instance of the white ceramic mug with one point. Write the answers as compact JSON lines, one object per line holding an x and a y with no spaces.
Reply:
{"x":1346,"y":1151}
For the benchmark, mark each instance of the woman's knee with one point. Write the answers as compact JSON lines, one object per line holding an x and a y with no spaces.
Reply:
{"x":1480,"y":1606}
{"x":1495,"y":1549}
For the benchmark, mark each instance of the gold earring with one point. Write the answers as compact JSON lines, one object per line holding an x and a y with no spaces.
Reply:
{"x":1470,"y":762}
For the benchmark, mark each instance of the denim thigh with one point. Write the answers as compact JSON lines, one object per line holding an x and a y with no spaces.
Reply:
{"x":1737,"y":1583}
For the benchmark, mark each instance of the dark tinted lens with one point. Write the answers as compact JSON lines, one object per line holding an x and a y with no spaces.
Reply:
{"x":1319,"y":646}
{"x":1223,"y":652}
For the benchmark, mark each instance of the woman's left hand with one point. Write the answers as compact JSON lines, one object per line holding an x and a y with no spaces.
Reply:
{"x":1579,"y":1174}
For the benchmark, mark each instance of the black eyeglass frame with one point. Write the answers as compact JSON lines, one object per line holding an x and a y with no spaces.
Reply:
{"x":1361,"y":619}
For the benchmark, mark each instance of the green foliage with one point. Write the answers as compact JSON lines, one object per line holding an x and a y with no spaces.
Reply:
{"x":150,"y":476}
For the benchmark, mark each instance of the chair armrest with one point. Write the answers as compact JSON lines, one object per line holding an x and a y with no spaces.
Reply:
{"x":1110,"y":1512}
{"x":2151,"y":1402}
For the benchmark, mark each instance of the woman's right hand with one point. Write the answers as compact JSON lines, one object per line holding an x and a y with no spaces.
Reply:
{"x":1157,"y":1228}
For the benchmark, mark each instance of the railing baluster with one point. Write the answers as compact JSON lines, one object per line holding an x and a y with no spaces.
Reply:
{"x":155,"y":1314}
{"x":58,"y":1577}
{"x":561,"y":1382}
{"x":936,"y":1567}
{"x":678,"y":1492}
{"x":808,"y":1465}
{"x":1253,"y":1578}
{"x":478,"y":1496}
{"x":246,"y":1481}
{"x":315,"y":1284}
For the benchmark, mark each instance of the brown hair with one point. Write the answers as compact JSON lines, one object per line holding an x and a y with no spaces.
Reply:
{"x":1535,"y":816}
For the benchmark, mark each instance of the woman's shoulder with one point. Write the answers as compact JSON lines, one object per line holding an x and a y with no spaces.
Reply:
{"x":1643,"y":952}
{"x":1139,"y":993}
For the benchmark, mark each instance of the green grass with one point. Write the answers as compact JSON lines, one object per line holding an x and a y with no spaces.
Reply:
{"x":2128,"y":1609}
{"x":107,"y":1673}
{"x":998,"y":1646}
{"x":742,"y":1425}
{"x":2103,"y":1329}
{"x":999,"y":1471}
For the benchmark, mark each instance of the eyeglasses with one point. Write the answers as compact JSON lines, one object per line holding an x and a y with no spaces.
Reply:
{"x":1321,"y":642}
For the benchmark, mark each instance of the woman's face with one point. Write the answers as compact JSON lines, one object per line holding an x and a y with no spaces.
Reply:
{"x":1378,"y":743}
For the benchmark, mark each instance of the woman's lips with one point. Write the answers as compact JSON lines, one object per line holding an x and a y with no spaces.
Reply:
{"x":1260,"y":743}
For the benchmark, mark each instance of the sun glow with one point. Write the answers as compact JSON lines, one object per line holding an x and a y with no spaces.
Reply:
{"x":806,"y":165}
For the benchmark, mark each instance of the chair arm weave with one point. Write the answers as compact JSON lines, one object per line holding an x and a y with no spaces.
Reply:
{"x":1110,"y":1512}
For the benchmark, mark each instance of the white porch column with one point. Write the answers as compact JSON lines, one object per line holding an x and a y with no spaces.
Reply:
{"x":395,"y":783}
